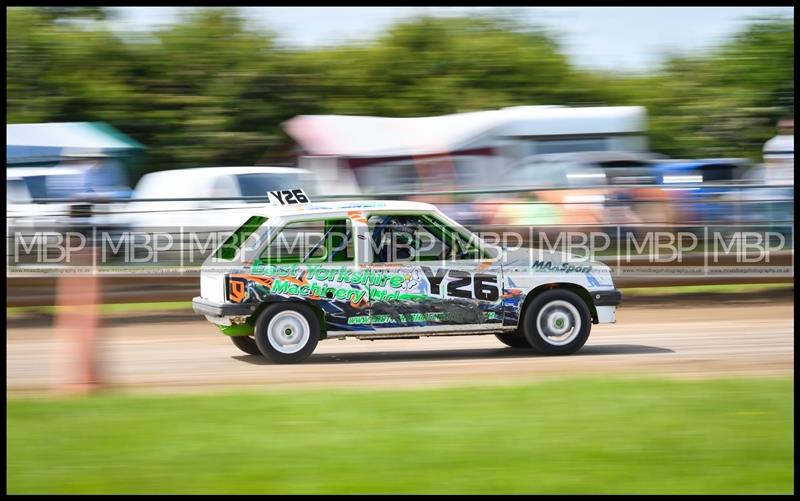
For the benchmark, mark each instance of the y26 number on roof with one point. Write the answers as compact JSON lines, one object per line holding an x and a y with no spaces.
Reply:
{"x":288,"y":197}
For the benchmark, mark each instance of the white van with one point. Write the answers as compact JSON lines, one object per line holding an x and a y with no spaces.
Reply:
{"x":779,"y":160}
{"x":197,"y":197}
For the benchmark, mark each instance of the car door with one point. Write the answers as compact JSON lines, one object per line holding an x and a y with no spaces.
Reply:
{"x":425,"y":278}
{"x":311,"y":260}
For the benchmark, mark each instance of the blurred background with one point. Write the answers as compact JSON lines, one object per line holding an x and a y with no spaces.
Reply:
{"x":529,"y":116}
{"x":175,"y":122}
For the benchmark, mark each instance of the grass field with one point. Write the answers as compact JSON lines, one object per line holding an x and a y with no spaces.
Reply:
{"x":570,"y":436}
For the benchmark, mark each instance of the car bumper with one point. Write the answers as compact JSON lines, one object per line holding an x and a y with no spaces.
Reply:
{"x":607,"y":298}
{"x":213,"y":309}
{"x":606,"y":314}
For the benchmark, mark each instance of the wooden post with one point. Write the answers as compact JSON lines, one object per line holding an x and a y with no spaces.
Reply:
{"x":77,"y":329}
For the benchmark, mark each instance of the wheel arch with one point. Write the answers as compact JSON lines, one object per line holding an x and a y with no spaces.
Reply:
{"x":577,"y":289}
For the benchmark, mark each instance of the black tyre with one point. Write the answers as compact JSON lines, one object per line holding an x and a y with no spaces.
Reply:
{"x":287,"y":333}
{"x":514,"y":339}
{"x":557,"y":322}
{"x":247,"y":344}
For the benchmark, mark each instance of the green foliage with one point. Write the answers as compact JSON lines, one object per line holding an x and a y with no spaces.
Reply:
{"x":72,"y":13}
{"x":726,"y":102}
{"x":212,"y":90}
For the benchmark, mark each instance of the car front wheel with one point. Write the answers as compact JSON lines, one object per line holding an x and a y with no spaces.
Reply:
{"x":247,"y":344}
{"x":513,"y":339}
{"x":287,"y":333}
{"x":557,"y":322}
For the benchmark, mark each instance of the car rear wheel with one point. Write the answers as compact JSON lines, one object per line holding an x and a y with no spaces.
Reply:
{"x":513,"y":339}
{"x":247,"y":344}
{"x":287,"y":333}
{"x":557,"y":322}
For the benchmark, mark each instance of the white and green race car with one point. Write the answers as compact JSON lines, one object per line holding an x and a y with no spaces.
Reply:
{"x":296,"y":273}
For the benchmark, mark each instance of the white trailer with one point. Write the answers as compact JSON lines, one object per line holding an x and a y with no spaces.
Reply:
{"x":461,"y":150}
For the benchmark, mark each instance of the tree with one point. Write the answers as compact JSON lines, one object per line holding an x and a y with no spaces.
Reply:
{"x":728,"y":102}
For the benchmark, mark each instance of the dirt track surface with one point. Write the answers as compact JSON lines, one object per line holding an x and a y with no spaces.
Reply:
{"x":702,"y":341}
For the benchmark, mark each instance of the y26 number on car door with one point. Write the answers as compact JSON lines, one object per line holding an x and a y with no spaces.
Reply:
{"x":463,"y":284}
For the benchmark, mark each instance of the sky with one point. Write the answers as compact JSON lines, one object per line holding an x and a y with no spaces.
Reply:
{"x":628,"y":39}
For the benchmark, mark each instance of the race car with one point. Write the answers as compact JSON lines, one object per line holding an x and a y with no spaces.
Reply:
{"x":297,"y":272}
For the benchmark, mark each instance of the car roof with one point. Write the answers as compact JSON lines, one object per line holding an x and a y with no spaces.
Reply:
{"x":342,"y":207}
{"x":236,"y":170}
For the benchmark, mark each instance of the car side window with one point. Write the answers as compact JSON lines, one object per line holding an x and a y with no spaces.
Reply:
{"x":461,"y":247}
{"x":400,"y":237}
{"x":325,"y":240}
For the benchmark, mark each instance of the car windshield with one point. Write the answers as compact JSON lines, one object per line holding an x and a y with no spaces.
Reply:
{"x":257,"y":185}
{"x":227,"y":251}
